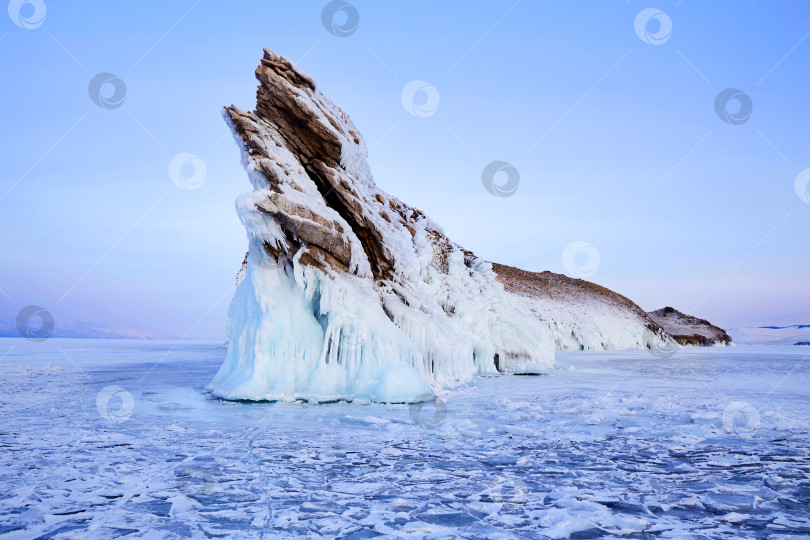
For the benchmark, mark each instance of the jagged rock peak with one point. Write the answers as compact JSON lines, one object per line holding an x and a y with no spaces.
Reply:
{"x":293,"y":118}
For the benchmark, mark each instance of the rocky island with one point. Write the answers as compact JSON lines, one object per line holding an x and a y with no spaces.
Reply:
{"x":349,"y":293}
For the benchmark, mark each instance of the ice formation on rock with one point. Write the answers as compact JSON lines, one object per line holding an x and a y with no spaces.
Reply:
{"x":347,"y":292}
{"x":582,"y":315}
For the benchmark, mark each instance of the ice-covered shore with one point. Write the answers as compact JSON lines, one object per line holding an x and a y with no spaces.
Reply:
{"x":112,"y":438}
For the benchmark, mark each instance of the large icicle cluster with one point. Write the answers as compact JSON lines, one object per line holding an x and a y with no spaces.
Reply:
{"x":346,"y":292}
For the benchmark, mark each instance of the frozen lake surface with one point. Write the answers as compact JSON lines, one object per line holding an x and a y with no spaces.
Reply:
{"x":104,"y":439}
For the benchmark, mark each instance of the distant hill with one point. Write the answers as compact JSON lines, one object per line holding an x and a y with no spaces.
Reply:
{"x":797,"y":334}
{"x":796,"y":326}
{"x":82,"y":330}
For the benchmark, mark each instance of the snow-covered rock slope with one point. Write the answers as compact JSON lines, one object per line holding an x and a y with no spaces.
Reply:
{"x":582,"y":315}
{"x":347,"y":292}
{"x":689,"y":330}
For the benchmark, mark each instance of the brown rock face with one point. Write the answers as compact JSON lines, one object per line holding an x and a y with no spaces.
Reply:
{"x":296,"y":117}
{"x":689,"y":330}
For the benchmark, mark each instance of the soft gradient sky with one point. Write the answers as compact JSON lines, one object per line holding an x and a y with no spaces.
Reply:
{"x":616,"y":141}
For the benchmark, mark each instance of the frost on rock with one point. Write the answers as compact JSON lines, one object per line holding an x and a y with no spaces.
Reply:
{"x":689,"y":330}
{"x":582,"y":315}
{"x":346,"y":292}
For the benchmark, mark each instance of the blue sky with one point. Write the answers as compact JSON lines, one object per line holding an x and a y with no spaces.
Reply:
{"x":616,"y":140}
